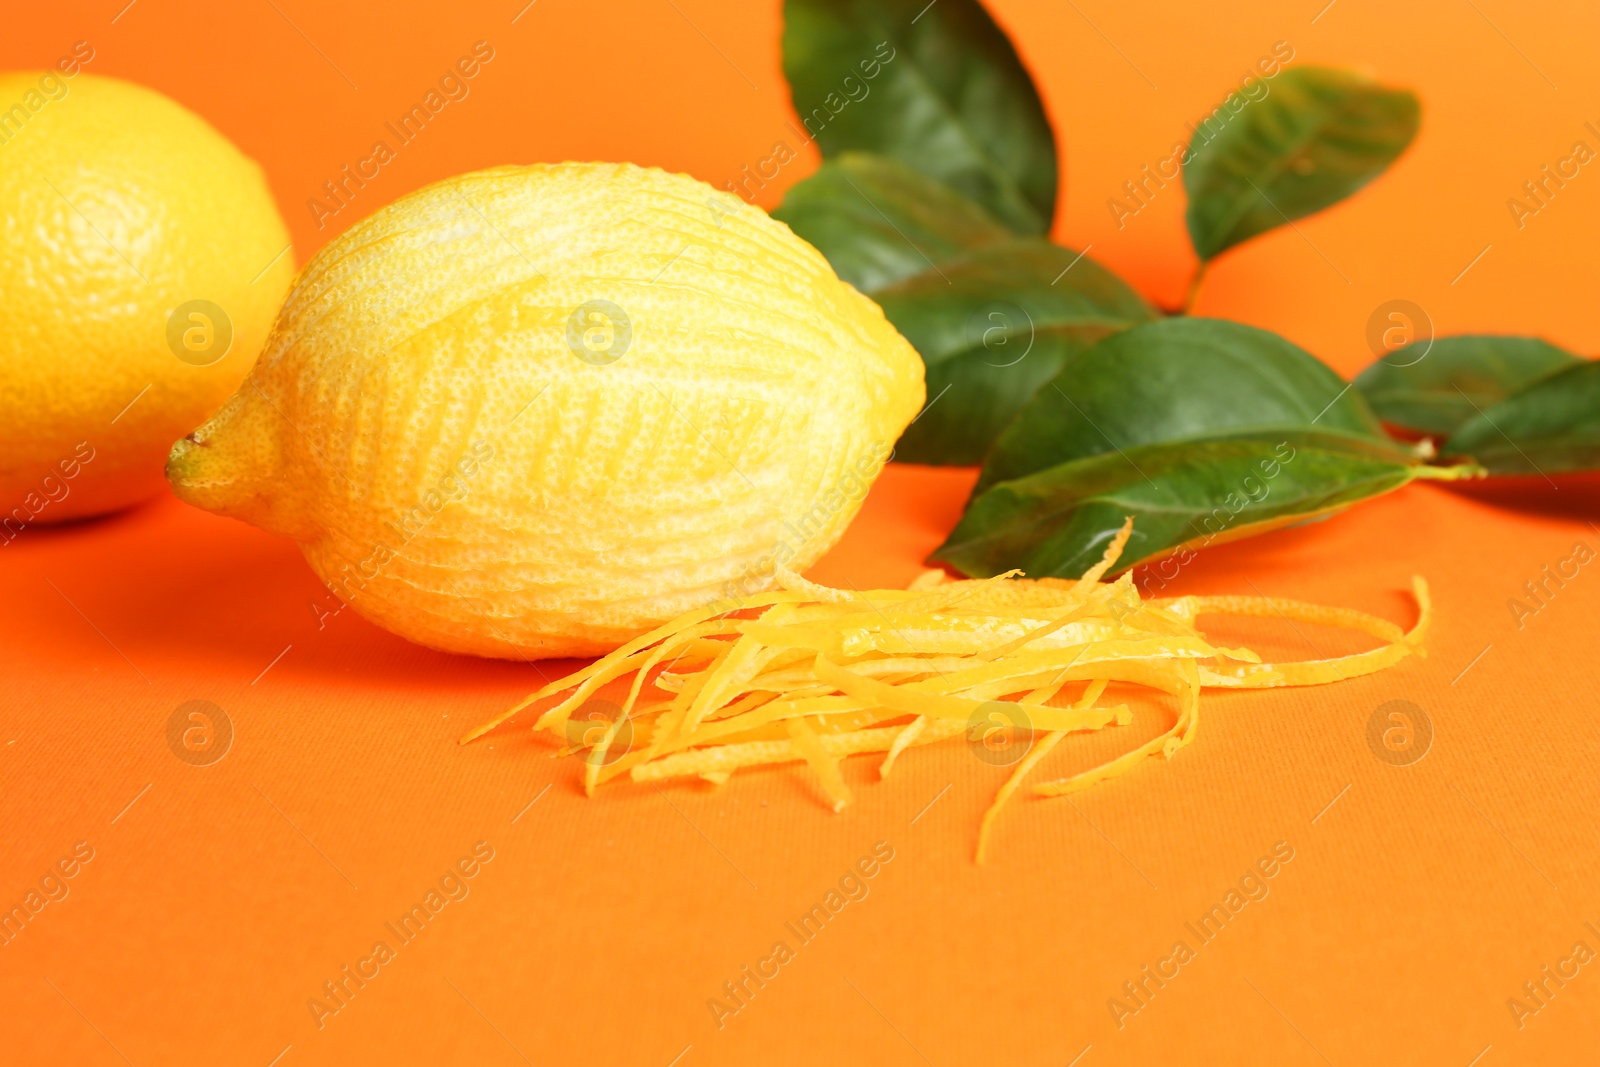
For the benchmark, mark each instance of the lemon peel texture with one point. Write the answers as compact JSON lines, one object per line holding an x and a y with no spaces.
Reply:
{"x":142,"y":261}
{"x":535,"y":411}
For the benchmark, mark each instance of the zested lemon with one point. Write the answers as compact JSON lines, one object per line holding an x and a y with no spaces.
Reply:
{"x":534,"y":411}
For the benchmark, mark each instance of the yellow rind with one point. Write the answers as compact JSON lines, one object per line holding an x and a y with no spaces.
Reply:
{"x":796,"y":685}
{"x":458,"y":473}
{"x":119,"y":206}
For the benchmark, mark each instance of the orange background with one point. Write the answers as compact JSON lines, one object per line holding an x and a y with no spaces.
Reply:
{"x":1415,"y":906}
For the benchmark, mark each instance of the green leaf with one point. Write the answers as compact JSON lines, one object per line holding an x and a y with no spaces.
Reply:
{"x":975,"y":394}
{"x":1551,"y":427}
{"x":1316,"y":136}
{"x":992,"y":327}
{"x":1170,"y":380}
{"x":936,"y":86}
{"x":1433,"y":387}
{"x":878,"y":221}
{"x":1181,"y":494}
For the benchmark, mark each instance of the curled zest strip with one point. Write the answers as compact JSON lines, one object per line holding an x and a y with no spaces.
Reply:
{"x":807,"y":673}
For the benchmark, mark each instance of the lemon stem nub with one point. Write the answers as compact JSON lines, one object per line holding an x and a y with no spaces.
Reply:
{"x":230,"y":464}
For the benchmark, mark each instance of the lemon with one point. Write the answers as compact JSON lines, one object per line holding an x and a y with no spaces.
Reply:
{"x":534,"y":411}
{"x":142,"y":262}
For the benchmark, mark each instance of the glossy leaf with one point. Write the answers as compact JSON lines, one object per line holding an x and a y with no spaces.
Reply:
{"x":936,"y":86}
{"x":1433,"y":387}
{"x":1316,"y":136}
{"x":1182,"y":494}
{"x":878,"y":221}
{"x":1551,"y":427}
{"x":992,"y":327}
{"x":974,"y":395}
{"x":1169,"y":380}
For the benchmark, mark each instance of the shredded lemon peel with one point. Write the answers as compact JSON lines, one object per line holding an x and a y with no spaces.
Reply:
{"x":808,"y":673}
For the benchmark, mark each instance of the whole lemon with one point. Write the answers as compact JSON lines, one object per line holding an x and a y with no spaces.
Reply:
{"x":533,"y":411}
{"x":142,"y":261}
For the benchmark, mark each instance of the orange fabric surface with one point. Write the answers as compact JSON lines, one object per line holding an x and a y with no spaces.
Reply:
{"x":218,"y":900}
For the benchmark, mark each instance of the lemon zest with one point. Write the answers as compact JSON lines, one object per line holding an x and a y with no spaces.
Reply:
{"x":824,"y":763}
{"x":815,"y":674}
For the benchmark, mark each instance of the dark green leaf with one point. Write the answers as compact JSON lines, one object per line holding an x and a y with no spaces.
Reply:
{"x":977,"y":393}
{"x":1316,"y":136}
{"x":1181,"y":494}
{"x":994,"y":325}
{"x":1551,"y":427}
{"x":878,"y":221}
{"x":936,"y":86}
{"x":1432,"y":387}
{"x":1173,"y":379}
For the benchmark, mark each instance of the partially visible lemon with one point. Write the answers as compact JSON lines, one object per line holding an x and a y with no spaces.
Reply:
{"x":141,"y":262}
{"x":534,"y":411}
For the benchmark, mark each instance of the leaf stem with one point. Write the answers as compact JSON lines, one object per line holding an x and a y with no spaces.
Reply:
{"x":1193,"y":291}
{"x":1459,"y":472}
